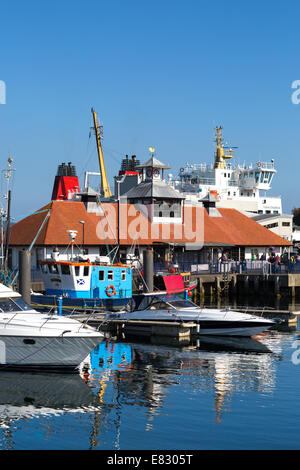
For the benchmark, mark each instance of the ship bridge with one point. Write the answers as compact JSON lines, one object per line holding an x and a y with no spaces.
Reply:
{"x":259,"y":177}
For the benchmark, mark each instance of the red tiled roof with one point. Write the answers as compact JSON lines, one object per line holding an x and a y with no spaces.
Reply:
{"x":233,"y":228}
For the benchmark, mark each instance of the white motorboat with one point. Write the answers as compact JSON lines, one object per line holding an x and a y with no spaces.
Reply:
{"x":211,"y":321}
{"x":30,"y":339}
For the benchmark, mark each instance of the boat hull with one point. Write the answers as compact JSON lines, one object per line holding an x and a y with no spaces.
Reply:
{"x":45,"y":352}
{"x":245,"y":330}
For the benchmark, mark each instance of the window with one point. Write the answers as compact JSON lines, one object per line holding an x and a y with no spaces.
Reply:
{"x":28,"y":341}
{"x":44,"y":268}
{"x":86,"y":270}
{"x":53,"y":268}
{"x":65,"y":269}
{"x":77,"y":270}
{"x":110,"y":275}
{"x":21,"y":304}
{"x":275,"y":224}
{"x":7,"y":305}
{"x":101,"y":275}
{"x":286,"y":224}
{"x":123,"y":275}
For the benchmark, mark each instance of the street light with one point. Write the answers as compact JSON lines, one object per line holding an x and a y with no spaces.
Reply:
{"x":82,"y":222}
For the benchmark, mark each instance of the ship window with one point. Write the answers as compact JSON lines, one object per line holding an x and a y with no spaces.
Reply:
{"x":53,"y":268}
{"x":172,"y":214}
{"x":110,"y":275}
{"x":77,"y":270}
{"x":44,"y":268}
{"x":65,"y":269}
{"x":123,"y":275}
{"x":101,"y":275}
{"x":86,"y":270}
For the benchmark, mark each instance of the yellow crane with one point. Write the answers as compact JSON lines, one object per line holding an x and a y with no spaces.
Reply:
{"x":105,"y":189}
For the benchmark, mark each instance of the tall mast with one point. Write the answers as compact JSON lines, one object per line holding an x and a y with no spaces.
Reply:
{"x":4,"y":251}
{"x":220,"y":157}
{"x":105,"y":189}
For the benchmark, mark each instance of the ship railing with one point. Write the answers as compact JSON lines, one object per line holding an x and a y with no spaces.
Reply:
{"x":193,"y":179}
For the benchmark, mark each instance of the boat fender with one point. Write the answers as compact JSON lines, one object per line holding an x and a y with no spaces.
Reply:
{"x":110,"y":291}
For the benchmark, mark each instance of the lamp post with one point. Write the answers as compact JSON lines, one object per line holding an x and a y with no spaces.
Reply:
{"x":82,"y":222}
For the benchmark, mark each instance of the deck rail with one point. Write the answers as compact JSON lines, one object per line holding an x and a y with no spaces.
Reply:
{"x":246,"y":266}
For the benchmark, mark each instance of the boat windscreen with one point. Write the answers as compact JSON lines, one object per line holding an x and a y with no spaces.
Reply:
{"x":181,"y":303}
{"x":8,"y":305}
{"x":21,"y":304}
{"x":143,"y":302}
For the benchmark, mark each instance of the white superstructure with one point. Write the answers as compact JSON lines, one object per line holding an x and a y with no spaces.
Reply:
{"x":241,"y":187}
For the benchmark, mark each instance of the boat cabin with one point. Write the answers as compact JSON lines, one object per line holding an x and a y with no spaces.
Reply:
{"x":86,"y":280}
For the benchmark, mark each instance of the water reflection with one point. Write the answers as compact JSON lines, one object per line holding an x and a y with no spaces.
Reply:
{"x":143,"y":373}
{"x":120,"y":378}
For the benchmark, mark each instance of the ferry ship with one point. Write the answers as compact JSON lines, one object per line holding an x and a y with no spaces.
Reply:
{"x":241,"y":187}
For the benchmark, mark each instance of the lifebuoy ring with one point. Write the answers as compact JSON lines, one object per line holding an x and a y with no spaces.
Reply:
{"x":110,"y":291}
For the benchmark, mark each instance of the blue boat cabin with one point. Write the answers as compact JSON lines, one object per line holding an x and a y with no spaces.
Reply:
{"x":87,"y":280}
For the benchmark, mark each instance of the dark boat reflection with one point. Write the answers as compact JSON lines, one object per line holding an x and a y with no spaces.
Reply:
{"x":244,"y":344}
{"x":30,"y":395}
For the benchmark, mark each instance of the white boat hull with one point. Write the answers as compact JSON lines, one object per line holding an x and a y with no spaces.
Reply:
{"x":35,"y":340}
{"x":210,"y":321}
{"x":45,"y":352}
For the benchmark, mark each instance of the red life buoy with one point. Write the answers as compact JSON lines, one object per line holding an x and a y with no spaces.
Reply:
{"x":110,"y":291}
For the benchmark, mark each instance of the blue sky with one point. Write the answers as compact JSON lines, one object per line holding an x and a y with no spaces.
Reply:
{"x":160,"y":73}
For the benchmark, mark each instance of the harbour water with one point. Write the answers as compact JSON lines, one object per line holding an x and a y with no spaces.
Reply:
{"x":214,"y":394}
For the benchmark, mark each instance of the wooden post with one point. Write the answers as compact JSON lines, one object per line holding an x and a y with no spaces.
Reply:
{"x":25,"y":275}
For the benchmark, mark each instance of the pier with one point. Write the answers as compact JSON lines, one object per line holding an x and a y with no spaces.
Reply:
{"x":146,"y":329}
{"x":220,"y":283}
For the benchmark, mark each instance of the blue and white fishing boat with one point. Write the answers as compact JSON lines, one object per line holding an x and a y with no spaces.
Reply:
{"x":84,"y":282}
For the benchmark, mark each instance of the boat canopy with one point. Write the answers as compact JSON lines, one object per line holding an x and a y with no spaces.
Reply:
{"x":161,"y":301}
